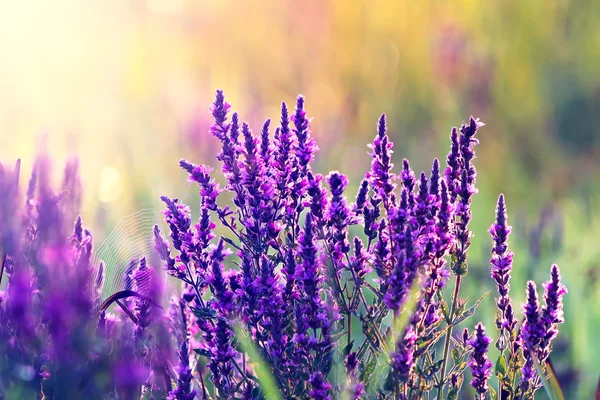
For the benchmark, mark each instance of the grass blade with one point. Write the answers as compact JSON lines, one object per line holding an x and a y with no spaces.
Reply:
{"x":267,"y":381}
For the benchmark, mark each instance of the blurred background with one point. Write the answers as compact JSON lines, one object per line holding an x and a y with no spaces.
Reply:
{"x":125,"y":85}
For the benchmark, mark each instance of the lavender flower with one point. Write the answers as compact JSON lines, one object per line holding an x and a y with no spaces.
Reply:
{"x":480,"y":366}
{"x":403,"y":359}
{"x":380,"y":176}
{"x":183,"y":390}
{"x":320,"y":387}
{"x":453,"y":163}
{"x":355,"y":389}
{"x":221,"y":361}
{"x":339,"y":217}
{"x":502,"y":265}
{"x":403,"y":275}
{"x":306,"y":147}
{"x":531,"y":334}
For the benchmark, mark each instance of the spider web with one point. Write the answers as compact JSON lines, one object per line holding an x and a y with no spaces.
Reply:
{"x":131,"y":239}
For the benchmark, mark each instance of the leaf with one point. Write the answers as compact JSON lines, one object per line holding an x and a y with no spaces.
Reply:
{"x":348,"y":348}
{"x":470,"y":311}
{"x":368,"y":370}
{"x":553,"y":380}
{"x":430,"y":371}
{"x":231,"y":243}
{"x":554,"y":393}
{"x":456,"y":356}
{"x":492,"y":393}
{"x":204,"y":313}
{"x":425,"y":345}
{"x":501,"y":366}
{"x":261,"y":367}
{"x":123,"y":294}
{"x":202,"y":352}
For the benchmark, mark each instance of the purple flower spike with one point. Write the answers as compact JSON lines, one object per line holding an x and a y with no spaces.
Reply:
{"x":320,"y":387}
{"x":531,"y":334}
{"x":453,"y":162}
{"x":501,"y":263}
{"x":403,"y":275}
{"x":403,"y":359}
{"x":209,"y":189}
{"x":380,"y":176}
{"x":306,"y":147}
{"x":265,"y":144}
{"x":532,"y":329}
{"x":183,"y":390}
{"x":361,"y":197}
{"x":467,"y":143}
{"x":355,"y":389}
{"x":339,"y":216}
{"x":552,"y":312}
{"x":481,"y":367}
{"x":219,"y":110}
{"x":408,"y":180}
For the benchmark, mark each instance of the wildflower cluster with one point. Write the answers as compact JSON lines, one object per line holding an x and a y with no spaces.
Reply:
{"x":343,"y":297}
{"x":333,"y":295}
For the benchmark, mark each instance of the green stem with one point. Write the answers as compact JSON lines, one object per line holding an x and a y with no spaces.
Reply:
{"x":448,"y":336}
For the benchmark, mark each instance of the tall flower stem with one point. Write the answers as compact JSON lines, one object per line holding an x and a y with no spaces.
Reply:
{"x":449,"y":335}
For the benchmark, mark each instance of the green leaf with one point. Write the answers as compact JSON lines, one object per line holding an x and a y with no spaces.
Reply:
{"x":368,"y":370}
{"x":261,"y":367}
{"x":430,"y":371}
{"x":123,"y":294}
{"x":501,"y":366}
{"x":552,"y":389}
{"x":456,"y":355}
{"x":202,"y":352}
{"x":348,"y":348}
{"x":204,"y":313}
{"x":470,"y":311}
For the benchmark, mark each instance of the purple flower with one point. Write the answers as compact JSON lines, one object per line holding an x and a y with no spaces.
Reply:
{"x":221,"y":359}
{"x":453,"y":163}
{"x":403,"y":359}
{"x":219,"y":110}
{"x":355,"y":389}
{"x":532,"y":329}
{"x":481,"y":367}
{"x":266,"y":148}
{"x":380,"y":176}
{"x":552,"y":312}
{"x":360,"y":261}
{"x":501,"y":263}
{"x":284,"y":156}
{"x":183,"y":390}
{"x":403,"y":275}
{"x":319,"y":387}
{"x":339,"y":217}
{"x":443,"y":237}
{"x":532,"y":332}
{"x":272,"y":309}
{"x":361,"y":197}
{"x":310,"y":274}
{"x":162,"y":249}
{"x":306,"y":147}
{"x":209,"y":189}
{"x":318,"y":199}
{"x":467,"y":143}
{"x":223,"y":297}
{"x":408,"y":180}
